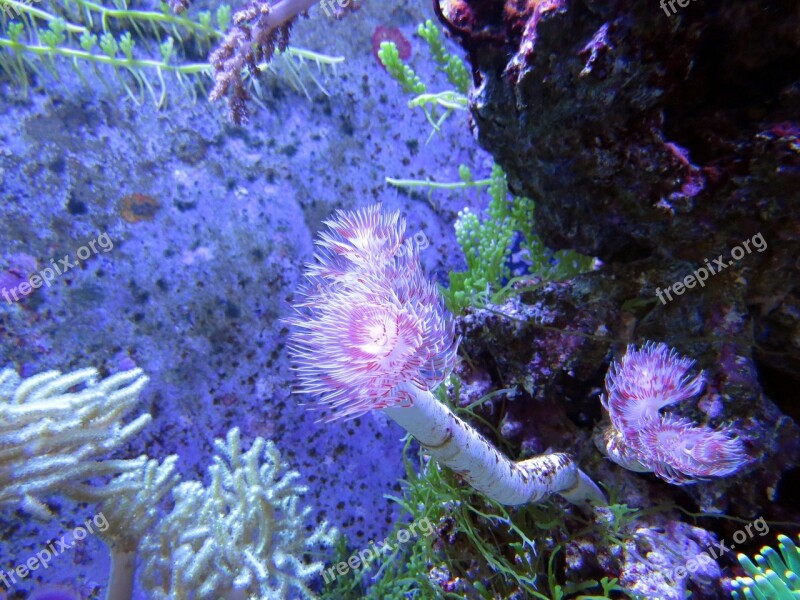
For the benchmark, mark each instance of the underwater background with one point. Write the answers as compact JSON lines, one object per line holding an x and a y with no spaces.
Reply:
{"x":239,"y":245}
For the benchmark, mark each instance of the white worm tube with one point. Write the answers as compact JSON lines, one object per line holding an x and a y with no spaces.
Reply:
{"x":461,"y":448}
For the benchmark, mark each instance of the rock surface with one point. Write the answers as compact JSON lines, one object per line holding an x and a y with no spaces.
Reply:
{"x":666,"y":144}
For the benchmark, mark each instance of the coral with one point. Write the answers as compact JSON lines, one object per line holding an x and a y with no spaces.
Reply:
{"x":90,"y":34}
{"x":667,"y":559}
{"x":372,"y":334}
{"x":258,"y":30}
{"x":482,"y":549}
{"x":247,"y":522}
{"x":550,"y":344}
{"x":452,"y":65}
{"x":242,"y":536}
{"x":618,"y":123}
{"x":389,"y":56}
{"x":642,"y":439}
{"x":487,"y":245}
{"x":50,"y":437}
{"x":773,"y":577}
{"x":131,"y":506}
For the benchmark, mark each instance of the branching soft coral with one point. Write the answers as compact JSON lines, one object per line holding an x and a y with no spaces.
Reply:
{"x":257,"y":30}
{"x":642,"y":439}
{"x":131,"y":505}
{"x":243,"y":536}
{"x":51,"y":437}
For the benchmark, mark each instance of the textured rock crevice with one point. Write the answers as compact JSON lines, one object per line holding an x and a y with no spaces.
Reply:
{"x":658,"y":143}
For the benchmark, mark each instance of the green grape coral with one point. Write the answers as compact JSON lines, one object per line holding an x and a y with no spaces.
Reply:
{"x":242,"y":536}
{"x":487,"y":245}
{"x":452,"y":66}
{"x":401,"y":72}
{"x":773,"y":576}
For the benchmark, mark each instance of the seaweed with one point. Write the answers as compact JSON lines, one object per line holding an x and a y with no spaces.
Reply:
{"x":98,"y":39}
{"x":430,"y":103}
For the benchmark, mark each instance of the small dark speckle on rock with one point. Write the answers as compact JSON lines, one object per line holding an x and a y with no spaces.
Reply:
{"x":76,"y":207}
{"x":57,"y":165}
{"x":257,"y":254}
{"x":347,"y":126}
{"x":185,"y":206}
{"x":232,"y":311}
{"x":188,"y":146}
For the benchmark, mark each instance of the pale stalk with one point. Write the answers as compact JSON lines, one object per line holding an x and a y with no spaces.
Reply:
{"x":461,"y":448}
{"x":123,"y":567}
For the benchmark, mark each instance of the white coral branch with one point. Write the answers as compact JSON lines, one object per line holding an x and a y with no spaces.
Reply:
{"x":51,"y":437}
{"x":242,"y":536}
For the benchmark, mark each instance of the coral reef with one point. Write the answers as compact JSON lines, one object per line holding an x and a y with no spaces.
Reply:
{"x":667,"y":147}
{"x":643,"y":136}
{"x":549,"y":345}
{"x":653,"y":560}
{"x":195,"y":295}
{"x":652,"y":142}
{"x":259,"y":30}
{"x":487,"y":243}
{"x":391,"y":55}
{"x":247,"y":534}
